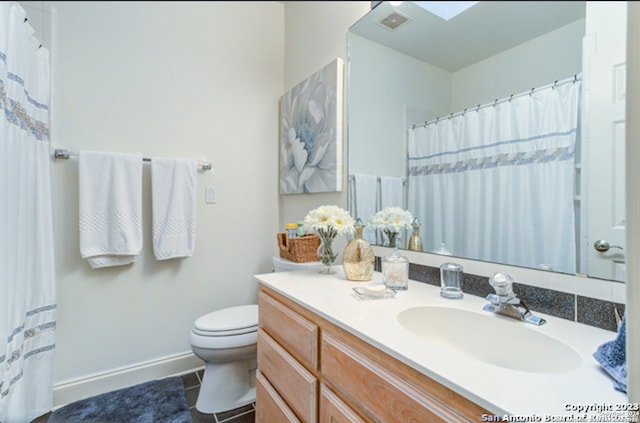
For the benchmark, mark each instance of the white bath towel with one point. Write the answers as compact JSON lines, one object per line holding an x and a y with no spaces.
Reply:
{"x":110,"y":208}
{"x":391,"y":192}
{"x":366,"y":201}
{"x":173,"y":183}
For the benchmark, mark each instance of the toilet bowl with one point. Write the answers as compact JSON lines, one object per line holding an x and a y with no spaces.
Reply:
{"x":226,"y":341}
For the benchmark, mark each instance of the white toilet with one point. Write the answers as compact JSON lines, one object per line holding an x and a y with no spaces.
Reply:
{"x":226,"y":341}
{"x":283,"y":265}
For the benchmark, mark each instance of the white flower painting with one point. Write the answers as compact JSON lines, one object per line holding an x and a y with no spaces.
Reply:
{"x":311,"y":133}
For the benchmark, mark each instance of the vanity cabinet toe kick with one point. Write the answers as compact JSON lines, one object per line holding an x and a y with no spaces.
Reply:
{"x":310,"y":370}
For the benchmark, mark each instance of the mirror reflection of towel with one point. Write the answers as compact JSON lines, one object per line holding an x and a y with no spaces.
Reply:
{"x":365,"y":189}
{"x":612,"y":357}
{"x":391,"y":192}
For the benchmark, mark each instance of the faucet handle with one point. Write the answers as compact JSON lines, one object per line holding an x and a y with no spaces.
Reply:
{"x":502,"y":299}
{"x":503,"y":284}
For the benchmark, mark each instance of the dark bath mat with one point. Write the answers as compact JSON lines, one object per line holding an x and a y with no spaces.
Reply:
{"x":158,"y":401}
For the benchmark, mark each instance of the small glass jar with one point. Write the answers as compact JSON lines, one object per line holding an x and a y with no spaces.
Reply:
{"x":395,"y":271}
{"x":451,"y":280}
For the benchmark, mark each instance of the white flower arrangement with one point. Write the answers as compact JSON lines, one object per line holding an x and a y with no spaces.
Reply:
{"x":329,"y":221}
{"x":391,"y":219}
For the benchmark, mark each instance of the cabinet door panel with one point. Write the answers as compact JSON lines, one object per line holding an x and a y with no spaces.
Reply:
{"x":297,"y":334}
{"x":269,"y":406}
{"x":334,"y":410}
{"x":381,"y":394}
{"x":291,"y":380}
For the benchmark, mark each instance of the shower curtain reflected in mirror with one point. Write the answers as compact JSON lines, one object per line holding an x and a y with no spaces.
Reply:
{"x":27,"y":285}
{"x":503,"y":175}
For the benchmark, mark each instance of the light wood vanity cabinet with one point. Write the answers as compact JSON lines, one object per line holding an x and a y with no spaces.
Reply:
{"x":333,"y":409}
{"x":310,"y":370}
{"x":272,"y":407}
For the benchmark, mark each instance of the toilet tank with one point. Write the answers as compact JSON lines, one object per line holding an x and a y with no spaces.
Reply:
{"x":283,"y":265}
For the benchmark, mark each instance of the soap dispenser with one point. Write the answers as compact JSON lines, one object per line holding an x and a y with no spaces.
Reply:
{"x":415,"y":240}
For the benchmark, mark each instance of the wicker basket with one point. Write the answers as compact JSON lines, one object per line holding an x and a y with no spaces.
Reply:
{"x":299,"y":249}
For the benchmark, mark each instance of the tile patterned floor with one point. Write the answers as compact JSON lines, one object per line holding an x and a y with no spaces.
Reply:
{"x":246,"y":414}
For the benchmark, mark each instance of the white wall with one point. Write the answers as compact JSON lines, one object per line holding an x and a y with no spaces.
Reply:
{"x":541,"y":61}
{"x":316,"y":33}
{"x":406,"y":86}
{"x":387,"y":85}
{"x":197,"y":80}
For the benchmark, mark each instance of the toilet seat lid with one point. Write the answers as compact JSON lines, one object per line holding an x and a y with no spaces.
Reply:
{"x":229,"y":321}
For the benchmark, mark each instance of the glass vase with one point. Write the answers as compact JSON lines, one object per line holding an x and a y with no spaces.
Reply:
{"x":392,"y":237}
{"x":358,"y":258}
{"x":326,"y":256}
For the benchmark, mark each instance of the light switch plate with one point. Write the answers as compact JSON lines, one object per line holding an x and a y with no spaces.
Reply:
{"x":210,"y":195}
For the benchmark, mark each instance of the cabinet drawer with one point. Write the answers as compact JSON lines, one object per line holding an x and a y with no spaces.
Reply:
{"x":334,"y":410}
{"x":269,"y":406}
{"x":297,"y":334}
{"x":381,"y":394}
{"x":291,"y":380}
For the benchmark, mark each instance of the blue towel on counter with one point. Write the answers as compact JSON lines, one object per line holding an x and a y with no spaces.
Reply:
{"x":613,"y":358}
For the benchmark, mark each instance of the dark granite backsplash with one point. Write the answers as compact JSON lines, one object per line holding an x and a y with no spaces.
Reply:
{"x":589,"y":311}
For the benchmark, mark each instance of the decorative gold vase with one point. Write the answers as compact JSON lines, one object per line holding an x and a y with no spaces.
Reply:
{"x":358,"y":259}
{"x":415,"y":241}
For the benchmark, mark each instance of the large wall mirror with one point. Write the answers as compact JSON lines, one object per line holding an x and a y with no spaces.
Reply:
{"x":504,"y":125}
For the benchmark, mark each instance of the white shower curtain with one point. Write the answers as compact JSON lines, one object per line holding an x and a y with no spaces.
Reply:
{"x":495,"y":181}
{"x":27,"y":285}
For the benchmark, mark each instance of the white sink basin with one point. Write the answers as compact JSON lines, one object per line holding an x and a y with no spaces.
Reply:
{"x":493,"y":339}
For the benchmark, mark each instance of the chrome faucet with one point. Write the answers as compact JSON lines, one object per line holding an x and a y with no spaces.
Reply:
{"x":505,"y":302}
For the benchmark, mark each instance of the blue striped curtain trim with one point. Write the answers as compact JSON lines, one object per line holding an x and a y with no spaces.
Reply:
{"x":41,"y":309}
{"x":28,"y":334}
{"x":30,"y":99}
{"x":17,"y":115}
{"x":500,"y":160}
{"x":34,"y":352}
{"x":16,"y":78}
{"x":16,"y":378}
{"x":31,"y":332}
{"x":497,"y":144}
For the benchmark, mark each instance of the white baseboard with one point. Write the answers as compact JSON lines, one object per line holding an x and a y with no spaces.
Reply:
{"x":77,"y":389}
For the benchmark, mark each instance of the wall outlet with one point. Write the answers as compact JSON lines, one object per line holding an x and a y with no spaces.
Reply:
{"x":210,"y":195}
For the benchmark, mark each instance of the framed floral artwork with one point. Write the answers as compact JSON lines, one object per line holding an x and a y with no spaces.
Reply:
{"x":311,"y":133}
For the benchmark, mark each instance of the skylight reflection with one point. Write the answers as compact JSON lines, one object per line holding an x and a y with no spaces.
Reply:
{"x":445,"y":9}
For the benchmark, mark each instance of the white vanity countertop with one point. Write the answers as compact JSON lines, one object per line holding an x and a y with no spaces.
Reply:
{"x":499,"y":390}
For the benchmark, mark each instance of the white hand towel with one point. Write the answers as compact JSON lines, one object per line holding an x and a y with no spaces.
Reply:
{"x":366,"y":190}
{"x":110,"y":208}
{"x":391,"y":192}
{"x":173,"y":187}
